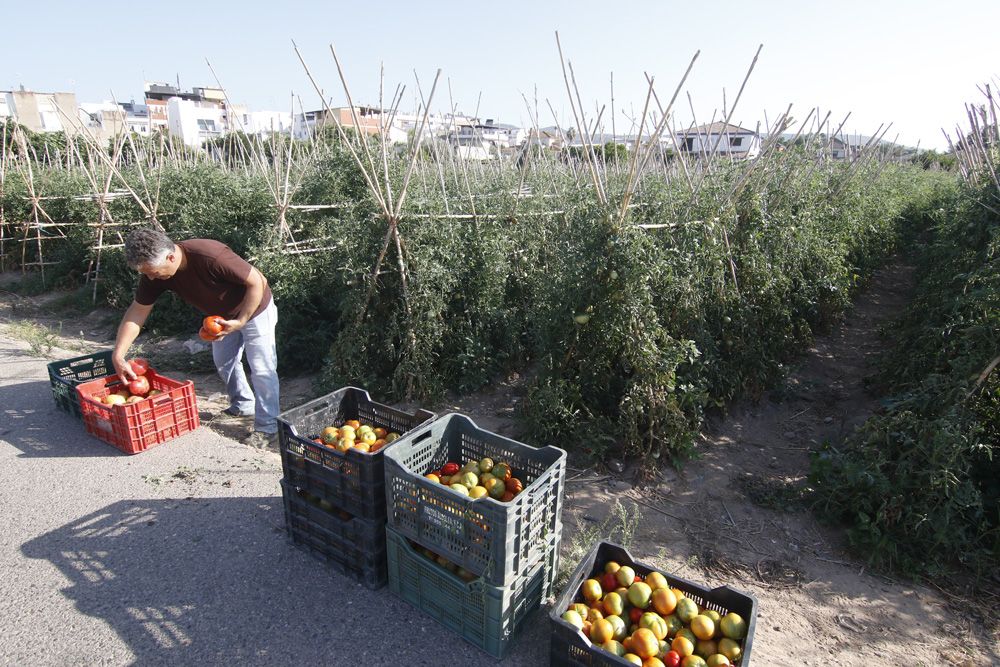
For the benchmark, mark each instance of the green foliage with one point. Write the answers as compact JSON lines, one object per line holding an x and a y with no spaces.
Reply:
{"x":608,"y":153}
{"x":628,"y":334}
{"x":917,"y":484}
{"x":931,"y":159}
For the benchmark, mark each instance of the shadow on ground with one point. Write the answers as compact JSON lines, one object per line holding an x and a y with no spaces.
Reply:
{"x":214,"y":580}
{"x":31,"y":422}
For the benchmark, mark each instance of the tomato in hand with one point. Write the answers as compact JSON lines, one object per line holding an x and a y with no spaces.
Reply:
{"x":139,"y":366}
{"x":139,"y":386}
{"x":204,"y":335}
{"x":212,"y":325}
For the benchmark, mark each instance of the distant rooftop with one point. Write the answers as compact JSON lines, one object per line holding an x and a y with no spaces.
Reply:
{"x":715,"y":128}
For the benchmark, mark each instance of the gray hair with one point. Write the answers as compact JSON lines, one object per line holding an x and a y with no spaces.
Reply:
{"x":146,"y":245}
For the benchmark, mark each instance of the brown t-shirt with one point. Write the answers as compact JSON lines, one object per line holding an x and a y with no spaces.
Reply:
{"x":212,"y":280}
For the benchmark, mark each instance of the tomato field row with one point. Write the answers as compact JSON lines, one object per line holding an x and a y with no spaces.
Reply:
{"x":633,"y":307}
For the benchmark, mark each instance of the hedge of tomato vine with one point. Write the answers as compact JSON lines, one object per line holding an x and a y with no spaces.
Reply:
{"x":919,"y":484}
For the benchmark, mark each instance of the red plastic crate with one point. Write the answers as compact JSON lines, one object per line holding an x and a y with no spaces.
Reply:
{"x":136,"y":427}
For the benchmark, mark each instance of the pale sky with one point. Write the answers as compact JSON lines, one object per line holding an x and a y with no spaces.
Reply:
{"x":914,"y":64}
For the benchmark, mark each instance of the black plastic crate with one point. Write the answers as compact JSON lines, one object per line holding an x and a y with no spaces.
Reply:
{"x":352,"y":481}
{"x":494,"y":539}
{"x":488,"y":617}
{"x":571,"y":648}
{"x":353,"y":546}
{"x":65,"y":375}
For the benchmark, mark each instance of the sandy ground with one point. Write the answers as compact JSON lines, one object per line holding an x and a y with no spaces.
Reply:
{"x":209,"y":511}
{"x":818,"y":605}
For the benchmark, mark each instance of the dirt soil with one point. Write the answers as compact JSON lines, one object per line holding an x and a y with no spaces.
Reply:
{"x":731,"y":517}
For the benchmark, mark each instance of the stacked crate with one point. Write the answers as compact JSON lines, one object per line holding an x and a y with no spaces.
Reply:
{"x":479,"y":566}
{"x":335,"y":501}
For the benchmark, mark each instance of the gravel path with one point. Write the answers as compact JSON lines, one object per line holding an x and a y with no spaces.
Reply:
{"x":177,"y":555}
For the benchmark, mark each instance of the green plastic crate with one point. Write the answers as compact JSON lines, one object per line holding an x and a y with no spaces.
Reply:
{"x":487,"y":617}
{"x":493,"y":539}
{"x":65,"y":375}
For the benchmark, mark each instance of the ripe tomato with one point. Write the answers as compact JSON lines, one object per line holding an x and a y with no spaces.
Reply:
{"x":139,"y":366}
{"x":449,"y":468}
{"x":204,"y":335}
{"x":672,"y":659}
{"x":608,"y":582}
{"x":139,"y":386}
{"x":634,"y":614}
{"x":212,"y":324}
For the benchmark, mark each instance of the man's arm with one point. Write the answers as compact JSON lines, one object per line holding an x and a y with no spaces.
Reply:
{"x":255,"y":283}
{"x":128,"y":330}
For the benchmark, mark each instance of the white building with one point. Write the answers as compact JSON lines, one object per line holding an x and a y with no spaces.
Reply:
{"x":471,"y":148}
{"x":546,"y":137}
{"x":107,"y":119}
{"x":40,"y":112}
{"x":496,"y":135}
{"x":847,"y":147}
{"x":726,"y":139}
{"x":194,"y":123}
{"x":370,"y":120}
{"x":258,"y":122}
{"x":438,"y":125}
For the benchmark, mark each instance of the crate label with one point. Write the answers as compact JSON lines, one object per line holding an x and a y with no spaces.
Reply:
{"x":444,"y":521}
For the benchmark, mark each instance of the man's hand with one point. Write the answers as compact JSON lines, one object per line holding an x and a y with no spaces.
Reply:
{"x":229,"y":326}
{"x":123,"y":369}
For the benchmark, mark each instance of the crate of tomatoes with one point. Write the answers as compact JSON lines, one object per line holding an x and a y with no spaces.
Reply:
{"x":140,"y":414}
{"x":490,"y":504}
{"x":616,"y":611}
{"x":332,"y":448}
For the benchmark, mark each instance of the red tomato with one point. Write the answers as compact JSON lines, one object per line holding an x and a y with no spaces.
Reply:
{"x":672,"y":659}
{"x":634,"y":614}
{"x":608,"y":582}
{"x":204,"y":335}
{"x":212,"y":324}
{"x":637,"y":579}
{"x":449,"y":468}
{"x":139,"y":386}
{"x":139,"y":366}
